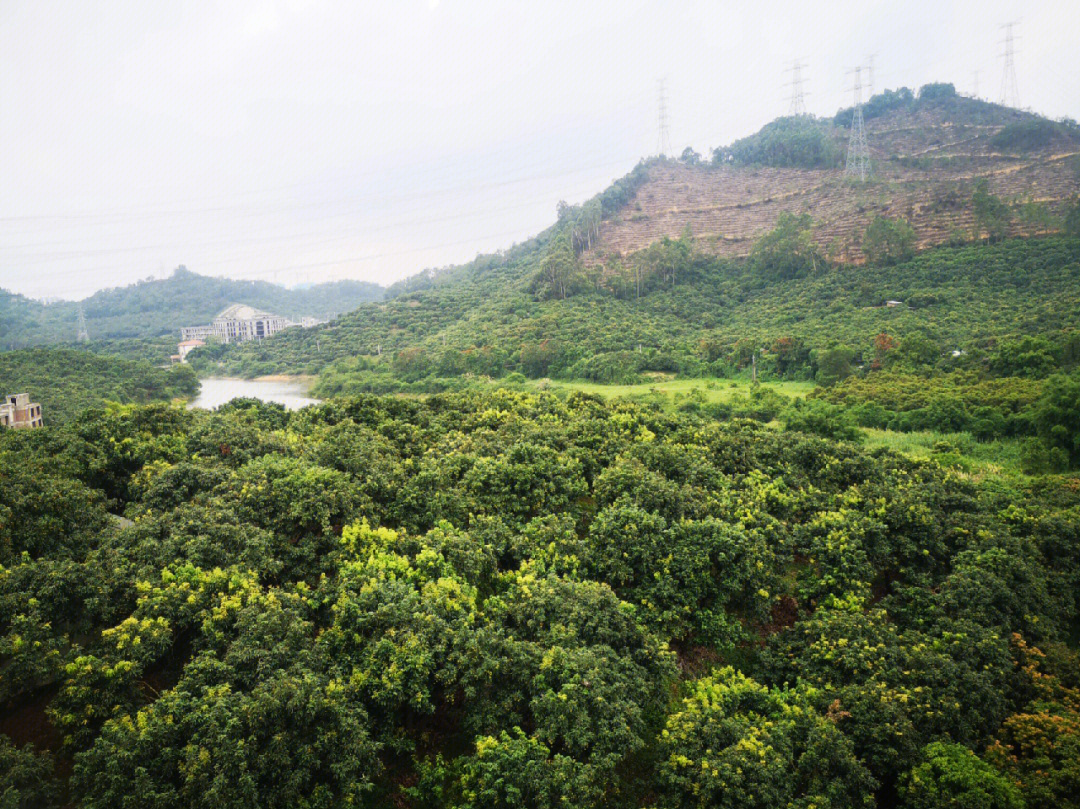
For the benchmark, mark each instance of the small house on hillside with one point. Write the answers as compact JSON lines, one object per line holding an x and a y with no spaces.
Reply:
{"x":186,"y":347}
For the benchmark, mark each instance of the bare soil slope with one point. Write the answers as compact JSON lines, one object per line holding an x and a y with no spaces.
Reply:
{"x":925,"y":167}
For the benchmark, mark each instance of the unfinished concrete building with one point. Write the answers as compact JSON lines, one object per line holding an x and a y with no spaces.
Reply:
{"x":17,"y":411}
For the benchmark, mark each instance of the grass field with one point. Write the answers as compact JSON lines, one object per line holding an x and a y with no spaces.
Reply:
{"x":959,"y":450}
{"x":672,"y":390}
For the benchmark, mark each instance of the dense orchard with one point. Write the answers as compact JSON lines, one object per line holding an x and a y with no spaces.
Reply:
{"x":515,"y":600}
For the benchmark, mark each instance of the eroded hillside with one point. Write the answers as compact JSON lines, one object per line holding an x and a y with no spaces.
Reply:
{"x":927,"y":159}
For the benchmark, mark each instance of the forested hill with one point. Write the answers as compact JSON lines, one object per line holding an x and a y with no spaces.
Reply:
{"x":154,"y":308}
{"x":506,"y":600}
{"x":66,"y":381}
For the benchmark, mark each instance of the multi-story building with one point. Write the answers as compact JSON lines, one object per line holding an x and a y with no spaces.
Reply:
{"x":237,"y":324}
{"x":18,"y":411}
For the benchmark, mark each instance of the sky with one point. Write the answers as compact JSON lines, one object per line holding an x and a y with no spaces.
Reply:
{"x":301,"y":141}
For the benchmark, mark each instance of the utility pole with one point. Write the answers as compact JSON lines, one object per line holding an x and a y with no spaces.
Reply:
{"x":858,"y":153}
{"x":797,"y":97}
{"x":663,"y":140}
{"x":83,"y":336}
{"x":1010,"y":96}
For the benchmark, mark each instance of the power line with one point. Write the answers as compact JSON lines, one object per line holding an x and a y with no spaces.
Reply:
{"x":279,"y":235}
{"x":663,"y":140}
{"x":275,"y":250}
{"x":250,"y":210}
{"x":1010,"y":95}
{"x":797,"y":97}
{"x":858,"y":153}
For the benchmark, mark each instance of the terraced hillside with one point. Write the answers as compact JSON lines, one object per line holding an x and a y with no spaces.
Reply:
{"x":927,"y":158}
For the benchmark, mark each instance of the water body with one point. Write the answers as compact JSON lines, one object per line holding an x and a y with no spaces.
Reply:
{"x":216,"y":391}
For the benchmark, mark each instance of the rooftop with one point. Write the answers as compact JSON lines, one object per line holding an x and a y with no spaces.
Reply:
{"x":240,"y":311}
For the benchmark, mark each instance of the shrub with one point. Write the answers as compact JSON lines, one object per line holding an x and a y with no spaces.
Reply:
{"x":952,"y":777}
{"x":821,"y":418}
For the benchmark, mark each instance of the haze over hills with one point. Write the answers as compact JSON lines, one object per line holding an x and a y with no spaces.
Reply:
{"x":159,"y":308}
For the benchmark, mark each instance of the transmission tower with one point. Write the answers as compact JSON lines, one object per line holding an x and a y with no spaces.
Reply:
{"x":1010,"y":96}
{"x":663,"y":139}
{"x":975,"y":83}
{"x":83,"y":336}
{"x":858,"y":153}
{"x":870,"y":75}
{"x":798,"y":95}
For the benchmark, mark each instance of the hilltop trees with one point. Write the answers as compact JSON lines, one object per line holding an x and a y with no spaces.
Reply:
{"x":798,"y":141}
{"x":1072,"y":219}
{"x":736,"y":744}
{"x":1057,"y":419}
{"x":950,"y":775}
{"x":65,"y":380}
{"x":559,"y":267}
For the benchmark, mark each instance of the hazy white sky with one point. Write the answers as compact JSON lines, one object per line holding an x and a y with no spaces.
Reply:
{"x":307,"y":140}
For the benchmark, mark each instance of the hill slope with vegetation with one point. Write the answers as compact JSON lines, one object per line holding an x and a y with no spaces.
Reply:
{"x":67,"y":381}
{"x":151,"y":309}
{"x":946,"y":265}
{"x":709,"y":319}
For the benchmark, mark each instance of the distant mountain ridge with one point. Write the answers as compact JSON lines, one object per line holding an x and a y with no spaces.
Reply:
{"x":159,"y":308}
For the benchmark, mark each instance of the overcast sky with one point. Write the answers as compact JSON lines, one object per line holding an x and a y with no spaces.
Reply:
{"x":307,"y":140}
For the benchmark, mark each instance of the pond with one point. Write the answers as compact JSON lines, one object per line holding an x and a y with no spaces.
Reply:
{"x":291,"y":392}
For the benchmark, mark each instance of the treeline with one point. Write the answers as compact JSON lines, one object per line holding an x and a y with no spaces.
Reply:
{"x":574,"y":230}
{"x":67,"y":381}
{"x":801,"y":141}
{"x":805,"y":141}
{"x":511,"y":600}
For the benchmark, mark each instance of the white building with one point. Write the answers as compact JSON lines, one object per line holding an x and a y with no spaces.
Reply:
{"x":237,"y":324}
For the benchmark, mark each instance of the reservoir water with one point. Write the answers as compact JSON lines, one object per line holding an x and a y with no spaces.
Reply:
{"x":216,"y":391}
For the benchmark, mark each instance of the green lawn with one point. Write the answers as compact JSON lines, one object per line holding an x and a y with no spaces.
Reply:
{"x":960,"y":450}
{"x":671,"y":390}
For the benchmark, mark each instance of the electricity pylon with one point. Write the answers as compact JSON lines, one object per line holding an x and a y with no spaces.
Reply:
{"x":663,"y":139}
{"x":858,"y":153}
{"x":1010,"y":96}
{"x":83,"y":336}
{"x":797,"y":98}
